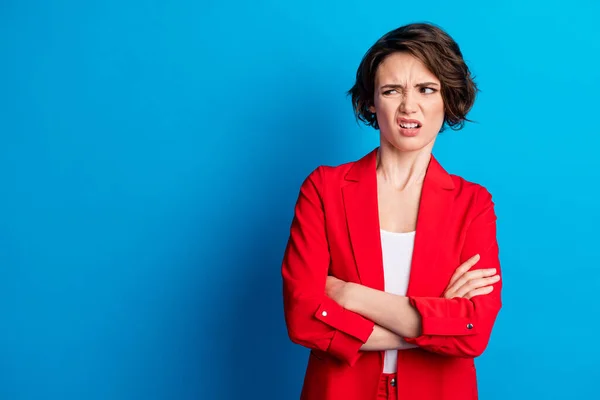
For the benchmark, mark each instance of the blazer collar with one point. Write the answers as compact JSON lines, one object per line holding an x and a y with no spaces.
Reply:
{"x":365,"y":167}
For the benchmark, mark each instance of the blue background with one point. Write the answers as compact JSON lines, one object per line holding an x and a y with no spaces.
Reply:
{"x":151,"y":154}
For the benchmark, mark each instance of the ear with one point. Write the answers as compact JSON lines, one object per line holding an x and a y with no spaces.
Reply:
{"x":372,"y":109}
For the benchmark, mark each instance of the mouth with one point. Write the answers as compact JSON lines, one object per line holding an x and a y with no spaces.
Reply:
{"x":409,"y":127}
{"x":409,"y":123}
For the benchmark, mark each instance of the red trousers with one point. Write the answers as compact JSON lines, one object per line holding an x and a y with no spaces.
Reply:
{"x":387,"y":387}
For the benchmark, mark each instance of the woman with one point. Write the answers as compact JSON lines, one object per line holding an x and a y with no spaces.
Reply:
{"x":391,"y":273}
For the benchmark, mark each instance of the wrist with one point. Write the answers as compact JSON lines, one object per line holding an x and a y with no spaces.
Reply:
{"x":352,"y":296}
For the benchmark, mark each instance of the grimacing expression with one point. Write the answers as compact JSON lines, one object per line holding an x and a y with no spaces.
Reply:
{"x":407,"y":102}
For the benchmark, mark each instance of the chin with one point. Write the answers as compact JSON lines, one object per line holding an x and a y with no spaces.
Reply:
{"x":408,"y":147}
{"x":409,"y":144}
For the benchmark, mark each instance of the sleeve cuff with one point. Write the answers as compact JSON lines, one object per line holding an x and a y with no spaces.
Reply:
{"x":345,"y":347}
{"x":435,"y":325}
{"x":344,"y":320}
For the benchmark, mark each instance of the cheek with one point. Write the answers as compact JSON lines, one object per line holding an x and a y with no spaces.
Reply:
{"x":436,"y":110}
{"x":387,"y":108}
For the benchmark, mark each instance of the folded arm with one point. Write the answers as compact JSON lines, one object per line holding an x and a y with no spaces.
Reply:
{"x":383,"y":339}
{"x":313,"y":319}
{"x":459,"y":326}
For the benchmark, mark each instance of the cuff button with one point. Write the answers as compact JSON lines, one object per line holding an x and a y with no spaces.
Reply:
{"x":469,"y":326}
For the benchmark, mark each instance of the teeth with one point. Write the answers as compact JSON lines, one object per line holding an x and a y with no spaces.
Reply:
{"x":409,"y":126}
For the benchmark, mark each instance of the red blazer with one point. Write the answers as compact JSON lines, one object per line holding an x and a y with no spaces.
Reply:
{"x":335,"y":231}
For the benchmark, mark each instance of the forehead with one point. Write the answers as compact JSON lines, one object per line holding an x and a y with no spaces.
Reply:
{"x":403,"y":67}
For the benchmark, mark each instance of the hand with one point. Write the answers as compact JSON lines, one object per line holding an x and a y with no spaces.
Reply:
{"x":468,"y":284}
{"x":337,"y":290}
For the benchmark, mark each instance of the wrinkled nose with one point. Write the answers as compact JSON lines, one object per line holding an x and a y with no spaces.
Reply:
{"x":408,"y":105}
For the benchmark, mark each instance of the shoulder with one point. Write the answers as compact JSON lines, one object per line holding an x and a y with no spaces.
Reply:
{"x":323,"y":180}
{"x":332,"y":175}
{"x":476,"y":195}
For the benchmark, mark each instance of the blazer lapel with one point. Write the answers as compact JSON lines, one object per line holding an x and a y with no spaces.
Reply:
{"x":435,"y":209}
{"x":362,"y":216}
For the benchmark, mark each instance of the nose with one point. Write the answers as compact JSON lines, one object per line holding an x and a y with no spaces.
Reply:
{"x":408,"y":105}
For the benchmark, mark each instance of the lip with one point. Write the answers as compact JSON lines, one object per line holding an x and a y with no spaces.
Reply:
{"x":409,"y":132}
{"x":409,"y":121}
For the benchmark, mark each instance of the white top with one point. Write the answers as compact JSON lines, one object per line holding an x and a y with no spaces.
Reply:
{"x":397,"y":249}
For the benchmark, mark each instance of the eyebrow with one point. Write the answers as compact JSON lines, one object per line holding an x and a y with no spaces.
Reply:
{"x":397,"y":85}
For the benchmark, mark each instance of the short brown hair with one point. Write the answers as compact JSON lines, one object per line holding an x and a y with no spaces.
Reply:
{"x":440,"y":54}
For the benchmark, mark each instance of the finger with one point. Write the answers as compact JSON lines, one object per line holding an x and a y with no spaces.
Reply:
{"x":479,"y":292}
{"x":471,"y":275}
{"x":447,"y":294}
{"x":330,"y":281}
{"x":464,"y":267}
{"x":476,"y":284}
{"x":450,"y":294}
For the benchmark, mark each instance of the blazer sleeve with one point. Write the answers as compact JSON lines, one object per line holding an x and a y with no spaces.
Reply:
{"x":314,"y":320}
{"x":462,"y":327}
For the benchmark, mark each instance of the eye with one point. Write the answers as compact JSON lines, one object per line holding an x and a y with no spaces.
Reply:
{"x":388,"y":92}
{"x":428,"y":90}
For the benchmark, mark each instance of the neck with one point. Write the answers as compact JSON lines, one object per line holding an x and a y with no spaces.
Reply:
{"x":401,"y":169}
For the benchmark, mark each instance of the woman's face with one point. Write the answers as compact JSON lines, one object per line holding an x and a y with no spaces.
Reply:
{"x":408,"y":103}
